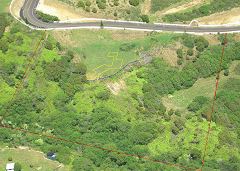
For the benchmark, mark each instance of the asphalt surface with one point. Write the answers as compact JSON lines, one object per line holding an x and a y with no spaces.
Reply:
{"x":28,"y":14}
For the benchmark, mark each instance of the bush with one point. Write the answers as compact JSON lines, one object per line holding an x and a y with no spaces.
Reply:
{"x":81,"y":4}
{"x":197,"y":103}
{"x":17,"y":167}
{"x":3,"y":24}
{"x":179,"y":61}
{"x":103,"y":95}
{"x":115,"y":14}
{"x":204,"y":10}
{"x":88,"y":3}
{"x":145,"y":18}
{"x":226,"y":72}
{"x":190,"y":52}
{"x":48,"y":45}
{"x":94,"y":10}
{"x":134,"y":2}
{"x":188,"y":41}
{"x":87,"y":9}
{"x":127,"y":46}
{"x":46,"y":17}
{"x":179,"y":53}
{"x":116,"y":2}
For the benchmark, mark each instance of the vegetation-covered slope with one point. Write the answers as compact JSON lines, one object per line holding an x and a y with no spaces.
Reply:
{"x":57,"y":100}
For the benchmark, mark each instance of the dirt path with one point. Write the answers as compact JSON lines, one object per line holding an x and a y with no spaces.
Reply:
{"x":183,"y":7}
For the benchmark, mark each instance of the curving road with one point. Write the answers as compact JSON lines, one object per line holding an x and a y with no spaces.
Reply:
{"x":28,"y":14}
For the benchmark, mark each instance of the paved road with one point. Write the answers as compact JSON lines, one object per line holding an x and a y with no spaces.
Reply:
{"x":29,"y":15}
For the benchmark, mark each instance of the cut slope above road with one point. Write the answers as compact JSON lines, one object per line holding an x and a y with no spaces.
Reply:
{"x":29,"y":16}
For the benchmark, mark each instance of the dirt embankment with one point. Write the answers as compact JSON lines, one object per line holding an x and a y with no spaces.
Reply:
{"x":59,"y":9}
{"x":16,"y":7}
{"x":232,"y":16}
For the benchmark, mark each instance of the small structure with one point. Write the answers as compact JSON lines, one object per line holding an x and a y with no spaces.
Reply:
{"x":10,"y":167}
{"x":51,"y":155}
{"x":194,"y":23}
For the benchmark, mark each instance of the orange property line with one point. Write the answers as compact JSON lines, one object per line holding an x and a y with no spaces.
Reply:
{"x":27,"y":72}
{"x":214,"y":102}
{"x":177,"y":166}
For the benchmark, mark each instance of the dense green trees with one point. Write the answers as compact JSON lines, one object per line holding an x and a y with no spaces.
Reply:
{"x":46,"y":17}
{"x":4,"y":22}
{"x":198,"y":103}
{"x":165,"y":80}
{"x":135,"y":123}
{"x":81,"y":4}
{"x":70,"y":76}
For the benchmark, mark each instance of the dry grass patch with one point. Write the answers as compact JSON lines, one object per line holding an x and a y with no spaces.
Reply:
{"x":168,"y":54}
{"x":231,"y":16}
{"x":184,"y":6}
{"x":127,"y":35}
{"x":116,"y":87}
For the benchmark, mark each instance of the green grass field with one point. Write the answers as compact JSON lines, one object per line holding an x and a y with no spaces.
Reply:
{"x":104,"y":55}
{"x":26,"y":158}
{"x":203,"y":87}
{"x":4,"y":5}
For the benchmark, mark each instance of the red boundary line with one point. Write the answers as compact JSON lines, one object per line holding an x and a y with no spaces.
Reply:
{"x":18,"y":88}
{"x":98,"y":147}
{"x":214,"y":101}
{"x":115,"y":151}
{"x":26,"y":71}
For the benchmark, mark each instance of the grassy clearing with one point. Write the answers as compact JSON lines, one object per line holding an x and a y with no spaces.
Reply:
{"x":104,"y":55}
{"x":28,"y":157}
{"x":203,"y":87}
{"x":158,"y":5}
{"x":4,"y":5}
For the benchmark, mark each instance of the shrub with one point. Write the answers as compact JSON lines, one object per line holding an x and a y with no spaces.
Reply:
{"x":134,"y":2}
{"x":81,"y":4}
{"x":115,"y":14}
{"x":17,"y":167}
{"x":87,"y":9}
{"x":48,"y":45}
{"x":188,"y":41}
{"x":101,"y":4}
{"x":88,"y":3}
{"x":103,"y":95}
{"x":226,"y":72}
{"x":179,"y":61}
{"x":46,"y":17}
{"x":116,"y":3}
{"x":197,"y":103}
{"x":127,"y":46}
{"x":145,"y":18}
{"x":190,"y":52}
{"x":179,"y":53}
{"x":94,"y":10}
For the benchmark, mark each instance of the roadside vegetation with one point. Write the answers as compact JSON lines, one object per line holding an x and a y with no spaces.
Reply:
{"x":4,"y":5}
{"x":56,"y":99}
{"x":204,"y":10}
{"x":46,"y":17}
